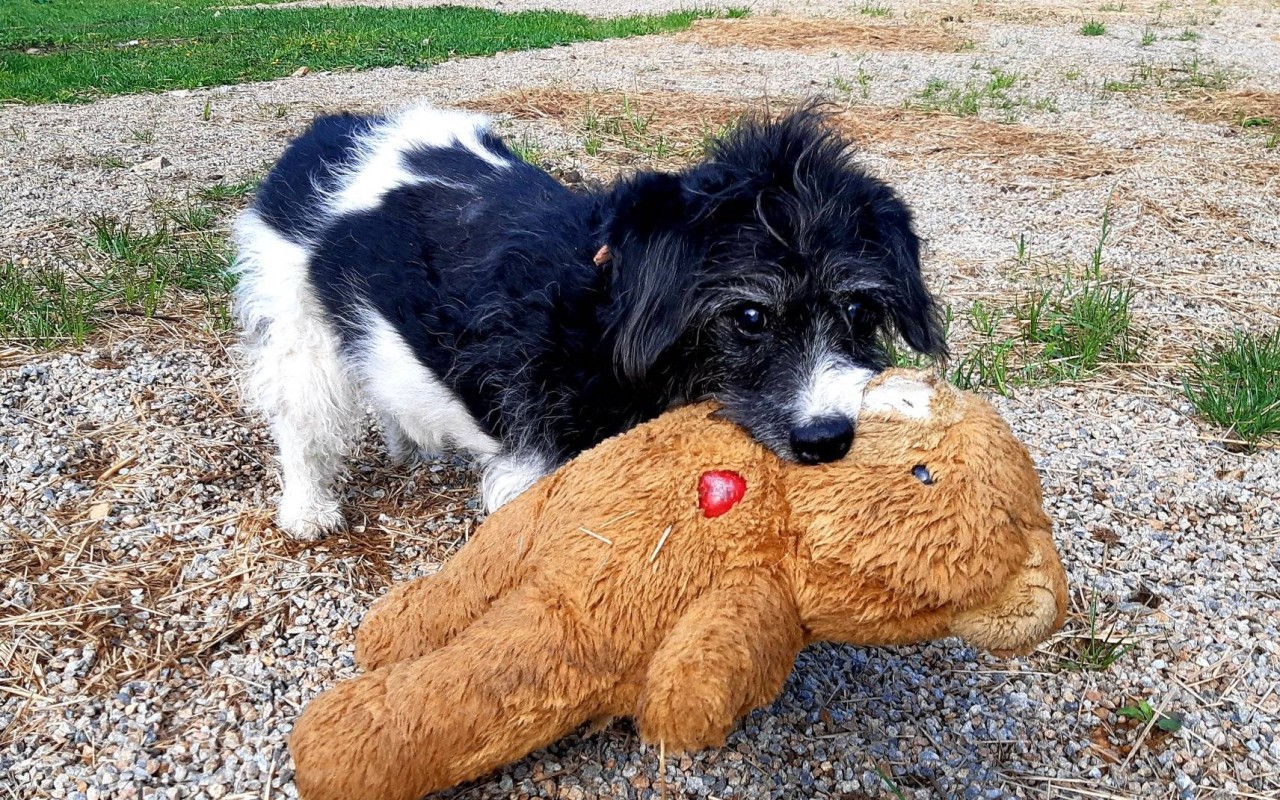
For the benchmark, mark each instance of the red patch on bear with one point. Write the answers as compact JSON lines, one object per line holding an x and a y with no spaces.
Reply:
{"x":720,"y":490}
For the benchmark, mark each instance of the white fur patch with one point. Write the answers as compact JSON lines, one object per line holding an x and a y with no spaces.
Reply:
{"x":380,"y":166}
{"x":507,"y":477}
{"x":403,"y":389}
{"x":900,"y":396}
{"x":835,"y":388}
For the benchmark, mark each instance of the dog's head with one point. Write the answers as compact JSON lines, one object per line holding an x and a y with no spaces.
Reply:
{"x":766,"y":276}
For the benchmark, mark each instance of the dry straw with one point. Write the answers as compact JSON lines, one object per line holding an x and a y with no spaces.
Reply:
{"x":685,"y":122}
{"x":792,"y":33}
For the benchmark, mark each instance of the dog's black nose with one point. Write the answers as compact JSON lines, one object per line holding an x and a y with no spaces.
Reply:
{"x":826,"y":439}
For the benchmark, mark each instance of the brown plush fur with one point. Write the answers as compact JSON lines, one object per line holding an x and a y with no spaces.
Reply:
{"x":605,"y":591}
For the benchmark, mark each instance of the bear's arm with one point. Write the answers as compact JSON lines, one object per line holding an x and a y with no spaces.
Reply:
{"x":729,"y":654}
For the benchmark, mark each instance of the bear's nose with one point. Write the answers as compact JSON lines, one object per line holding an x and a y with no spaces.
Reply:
{"x":826,"y":439}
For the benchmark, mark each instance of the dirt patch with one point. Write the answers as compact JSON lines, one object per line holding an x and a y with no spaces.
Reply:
{"x":663,"y":129}
{"x":794,"y":33}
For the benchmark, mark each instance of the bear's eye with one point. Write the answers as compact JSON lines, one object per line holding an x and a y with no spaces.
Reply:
{"x":922,"y":474}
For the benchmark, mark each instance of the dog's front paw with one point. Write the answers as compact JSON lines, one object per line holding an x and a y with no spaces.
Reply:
{"x":309,"y":520}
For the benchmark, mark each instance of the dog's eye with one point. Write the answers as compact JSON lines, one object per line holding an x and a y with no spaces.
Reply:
{"x":857,"y":309}
{"x":750,"y":319}
{"x":922,"y":474}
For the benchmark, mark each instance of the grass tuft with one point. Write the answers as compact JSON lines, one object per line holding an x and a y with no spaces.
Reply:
{"x":528,"y":149}
{"x":222,"y":192}
{"x":1093,"y":28}
{"x":1236,"y":385}
{"x":987,"y":363}
{"x":1069,"y":326}
{"x":41,"y":308}
{"x":1095,"y":651}
{"x":1190,"y":74}
{"x":968,"y":100}
{"x":1079,"y":325}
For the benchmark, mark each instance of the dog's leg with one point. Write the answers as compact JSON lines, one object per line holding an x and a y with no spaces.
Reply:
{"x":313,"y":423}
{"x":506,"y":476}
{"x":401,"y":448}
{"x":296,"y":376}
{"x":419,"y":411}
{"x":309,"y":505}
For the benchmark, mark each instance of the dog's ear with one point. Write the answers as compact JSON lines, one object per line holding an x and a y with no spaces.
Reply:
{"x":912,"y":311}
{"x":654,"y":262}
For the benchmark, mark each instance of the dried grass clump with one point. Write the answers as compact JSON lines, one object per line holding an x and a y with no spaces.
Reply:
{"x":130,"y":580}
{"x":624,"y":129}
{"x":795,"y":33}
{"x":1239,"y":107}
{"x":668,"y":128}
{"x":914,"y":135}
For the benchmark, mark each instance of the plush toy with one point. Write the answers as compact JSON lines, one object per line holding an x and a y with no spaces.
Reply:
{"x":673,"y":573}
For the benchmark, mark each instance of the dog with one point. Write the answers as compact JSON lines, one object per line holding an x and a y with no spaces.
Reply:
{"x":412,"y":263}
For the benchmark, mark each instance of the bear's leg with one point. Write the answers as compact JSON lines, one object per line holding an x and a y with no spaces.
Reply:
{"x":418,"y":616}
{"x":729,"y":654}
{"x":519,"y":679}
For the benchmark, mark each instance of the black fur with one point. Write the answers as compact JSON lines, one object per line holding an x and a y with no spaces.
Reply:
{"x":487,"y":273}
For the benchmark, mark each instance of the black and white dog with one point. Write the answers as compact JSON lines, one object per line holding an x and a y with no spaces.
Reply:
{"x":413,"y":263}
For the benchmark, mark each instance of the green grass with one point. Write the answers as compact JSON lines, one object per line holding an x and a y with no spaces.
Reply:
{"x":1148,"y":37}
{"x":986,"y":364}
{"x":1190,"y":73}
{"x":1143,"y":714}
{"x":528,"y":149}
{"x":968,"y":100}
{"x":89,"y":48}
{"x":39,"y":307}
{"x":1236,"y":385}
{"x":1094,"y":652}
{"x":875,"y":10}
{"x":223,"y":192}
{"x":1093,"y":28}
{"x":1187,"y":35}
{"x":178,"y":263}
{"x":1068,"y":325}
{"x":629,"y":129}
{"x":1078,"y":325}
{"x":863,"y":86}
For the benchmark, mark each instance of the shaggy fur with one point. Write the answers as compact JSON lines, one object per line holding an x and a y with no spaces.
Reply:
{"x":605,"y":591}
{"x":413,"y":263}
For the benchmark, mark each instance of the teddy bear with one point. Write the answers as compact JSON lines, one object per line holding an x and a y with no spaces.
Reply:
{"x":673,"y":573}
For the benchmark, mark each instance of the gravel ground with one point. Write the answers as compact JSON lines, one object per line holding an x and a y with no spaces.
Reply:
{"x":164,"y":635}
